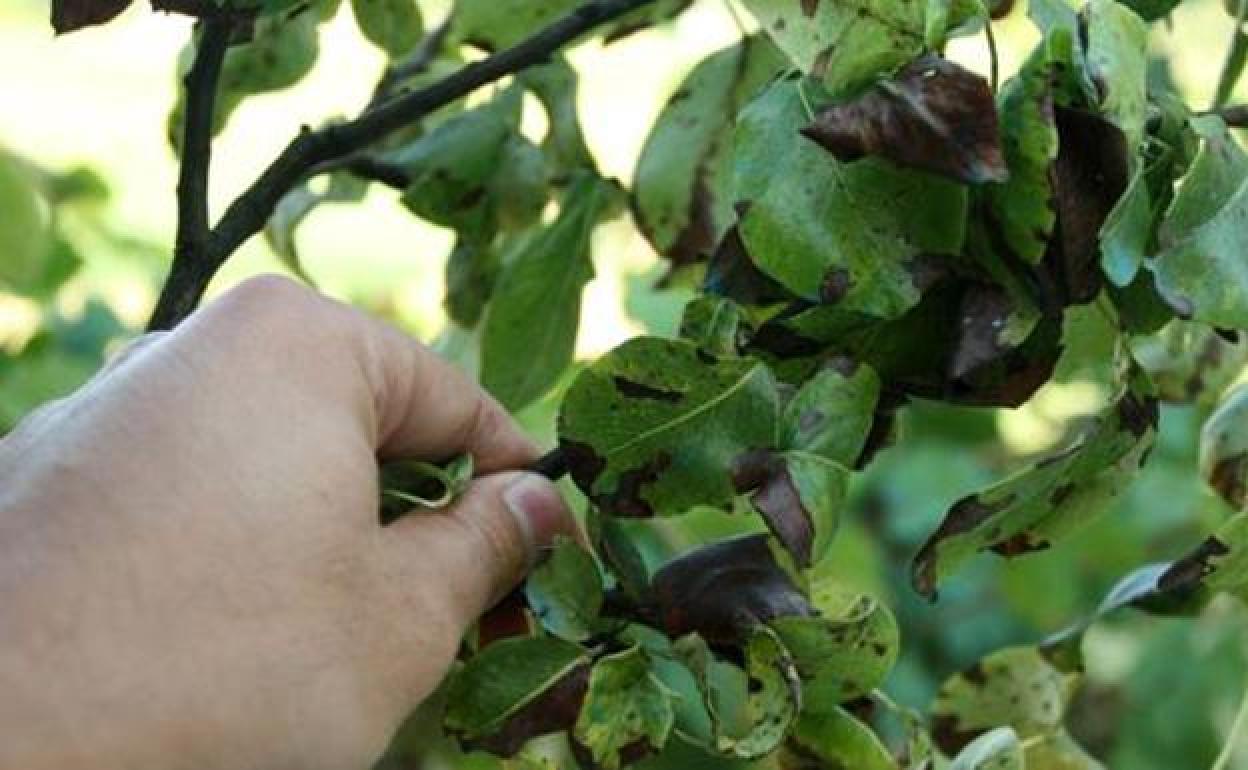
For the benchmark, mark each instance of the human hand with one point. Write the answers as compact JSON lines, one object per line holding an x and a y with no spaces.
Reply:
{"x":191,"y":570}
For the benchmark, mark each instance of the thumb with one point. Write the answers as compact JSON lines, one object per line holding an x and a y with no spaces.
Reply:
{"x":489,"y":539}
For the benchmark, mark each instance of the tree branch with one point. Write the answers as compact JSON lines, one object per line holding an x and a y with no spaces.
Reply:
{"x":248,"y":214}
{"x":200,"y":85}
{"x":1235,"y":116}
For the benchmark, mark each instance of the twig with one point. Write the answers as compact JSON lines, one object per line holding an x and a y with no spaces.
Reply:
{"x":201,"y":99}
{"x":248,"y":214}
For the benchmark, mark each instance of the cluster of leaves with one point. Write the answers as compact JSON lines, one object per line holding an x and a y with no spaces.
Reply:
{"x":870,"y":225}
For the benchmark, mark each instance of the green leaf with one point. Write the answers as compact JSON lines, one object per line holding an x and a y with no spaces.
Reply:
{"x":530,"y":330}
{"x":713,"y":323}
{"x":520,"y":185}
{"x":751,"y":710}
{"x":1021,"y":210}
{"x":1127,"y":233}
{"x":394,"y":26}
{"x":626,"y":705}
{"x":1117,"y":61}
{"x":555,"y":86}
{"x":498,"y":24}
{"x":503,"y":678}
{"x":1236,"y":58}
{"x":1029,"y":510}
{"x":847,"y":45}
{"x":472,"y":271}
{"x":25,"y":227}
{"x":1216,"y":174}
{"x":997,"y":749}
{"x":295,"y":207}
{"x":858,"y":234}
{"x":1224,"y":449}
{"x":838,"y":739}
{"x":682,"y":196}
{"x":565,"y":591}
{"x":451,"y":167}
{"x":1018,"y":687}
{"x":846,"y":651}
{"x":655,"y":426}
{"x":832,"y":414}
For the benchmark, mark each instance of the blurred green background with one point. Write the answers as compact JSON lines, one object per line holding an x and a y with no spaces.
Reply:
{"x":85,"y":116}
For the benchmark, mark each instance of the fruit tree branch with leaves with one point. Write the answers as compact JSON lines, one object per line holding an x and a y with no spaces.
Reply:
{"x":869,"y":225}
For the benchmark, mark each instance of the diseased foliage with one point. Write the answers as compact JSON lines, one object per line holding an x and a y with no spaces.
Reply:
{"x":872,"y":227}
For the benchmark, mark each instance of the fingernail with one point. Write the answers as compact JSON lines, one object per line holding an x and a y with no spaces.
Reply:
{"x":540,"y":511}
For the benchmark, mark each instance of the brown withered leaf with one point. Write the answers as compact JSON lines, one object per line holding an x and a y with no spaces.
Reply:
{"x":723,"y":589}
{"x":70,"y":15}
{"x":934,"y":116}
{"x":1089,"y":176}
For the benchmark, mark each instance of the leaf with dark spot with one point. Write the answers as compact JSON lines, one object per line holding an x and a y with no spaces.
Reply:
{"x":70,"y":15}
{"x":1224,"y":449}
{"x":933,"y":115}
{"x":832,"y":413}
{"x":635,"y":454}
{"x":625,"y":704}
{"x":722,"y":590}
{"x":800,"y":495}
{"x":1018,"y":687}
{"x":1034,"y":507}
{"x":498,"y":683}
{"x":682,"y":185}
{"x":859,"y":234}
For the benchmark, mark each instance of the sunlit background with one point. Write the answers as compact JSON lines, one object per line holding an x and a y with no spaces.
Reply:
{"x":1161,"y":694}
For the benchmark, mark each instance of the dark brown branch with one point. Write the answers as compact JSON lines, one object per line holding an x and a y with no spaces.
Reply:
{"x":368,"y":167}
{"x":200,"y":86}
{"x":248,"y":214}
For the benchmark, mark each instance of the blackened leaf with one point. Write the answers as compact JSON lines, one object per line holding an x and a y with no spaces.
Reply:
{"x":997,"y":749}
{"x":626,"y":705}
{"x":714,"y":324}
{"x":654,"y":426}
{"x":1088,"y":179}
{"x":1029,"y":510}
{"x":834,"y":738}
{"x":682,"y":187}
{"x":565,"y":591}
{"x":721,"y":591}
{"x":1017,"y":687}
{"x":854,"y":235}
{"x":394,"y":26}
{"x":1220,"y":563}
{"x":752,"y":723}
{"x":934,"y":115}
{"x":800,"y":495}
{"x":69,"y":15}
{"x":503,"y":678}
{"x":530,"y":330}
{"x":849,"y":45}
{"x":1224,"y":449}
{"x":831,"y":415}
{"x":846,"y":650}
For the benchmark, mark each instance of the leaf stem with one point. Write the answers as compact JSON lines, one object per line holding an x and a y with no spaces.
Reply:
{"x":993,"y":55}
{"x":247,"y":215}
{"x":1237,"y":729}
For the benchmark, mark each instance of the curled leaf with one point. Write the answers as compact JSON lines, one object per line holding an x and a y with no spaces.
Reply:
{"x":933,"y":115}
{"x":628,"y":711}
{"x":997,"y":749}
{"x":1224,"y":449}
{"x":799,"y":494}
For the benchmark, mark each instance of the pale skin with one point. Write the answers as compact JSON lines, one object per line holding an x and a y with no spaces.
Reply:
{"x":192,"y":574}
